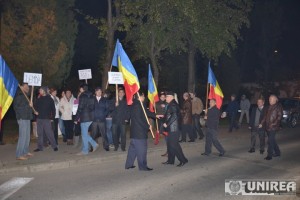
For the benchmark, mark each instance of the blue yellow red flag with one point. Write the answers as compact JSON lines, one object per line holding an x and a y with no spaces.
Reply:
{"x":152,"y":91}
{"x":215,"y":91}
{"x":8,"y":87}
{"x":131,"y":81}
{"x":114,"y":61}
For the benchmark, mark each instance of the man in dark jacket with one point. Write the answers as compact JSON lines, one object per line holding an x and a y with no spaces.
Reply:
{"x":120,"y":115}
{"x":100,"y":113}
{"x":171,"y":125}
{"x":212,"y":124}
{"x":256,"y":116}
{"x":85,"y":116}
{"x":139,"y":128}
{"x":272,"y":122}
{"x":187,"y":120}
{"x":45,"y":112}
{"x":24,"y":115}
{"x":232,"y":110}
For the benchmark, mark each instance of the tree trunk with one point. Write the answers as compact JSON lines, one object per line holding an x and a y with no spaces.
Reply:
{"x":191,"y":67}
{"x":109,"y":46}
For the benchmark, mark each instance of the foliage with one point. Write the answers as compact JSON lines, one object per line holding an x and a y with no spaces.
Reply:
{"x":39,"y":36}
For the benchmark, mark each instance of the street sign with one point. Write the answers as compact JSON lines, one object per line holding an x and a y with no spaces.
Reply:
{"x":115,"y":78}
{"x":85,"y":74}
{"x":32,"y":79}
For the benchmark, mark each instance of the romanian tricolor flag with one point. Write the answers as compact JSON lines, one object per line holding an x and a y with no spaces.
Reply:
{"x":215,"y":91}
{"x":152,"y":91}
{"x":131,"y":81}
{"x":8,"y":88}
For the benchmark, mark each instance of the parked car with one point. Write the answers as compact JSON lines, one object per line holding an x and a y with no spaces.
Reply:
{"x":291,"y":111}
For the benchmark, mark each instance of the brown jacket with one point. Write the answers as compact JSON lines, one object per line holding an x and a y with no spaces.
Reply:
{"x":186,"y":112}
{"x":273,"y":117}
{"x":197,"y":106}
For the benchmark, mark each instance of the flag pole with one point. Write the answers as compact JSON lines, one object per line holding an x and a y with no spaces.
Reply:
{"x":107,"y":77}
{"x":27,"y":98}
{"x":145,"y":115}
{"x":206,"y":103}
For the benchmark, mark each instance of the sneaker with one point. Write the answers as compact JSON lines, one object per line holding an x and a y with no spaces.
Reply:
{"x":111,"y":146}
{"x":55,"y":149}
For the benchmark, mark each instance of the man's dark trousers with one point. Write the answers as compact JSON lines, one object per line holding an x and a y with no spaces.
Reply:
{"x":197,"y":126}
{"x":174,"y":148}
{"x":137,"y":149}
{"x":211,"y":138}
{"x":272,"y":144}
{"x":99,"y":127}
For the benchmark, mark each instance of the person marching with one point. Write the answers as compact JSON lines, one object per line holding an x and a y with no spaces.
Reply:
{"x":212,"y":123}
{"x":139,"y":128}
{"x":171,"y":124}
{"x":256,"y":117}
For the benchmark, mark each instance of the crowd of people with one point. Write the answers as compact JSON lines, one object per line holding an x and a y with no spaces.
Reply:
{"x":89,"y":116}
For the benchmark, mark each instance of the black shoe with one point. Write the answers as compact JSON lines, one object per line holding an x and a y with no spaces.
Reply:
{"x":251,"y":151}
{"x":55,"y":149}
{"x":204,"y":154}
{"x":165,"y":154}
{"x":167,"y":163}
{"x":191,"y":141}
{"x":106,"y":149}
{"x":130,"y":167}
{"x":123,"y":149}
{"x":276,"y":155}
{"x":268,"y":158}
{"x":37,"y":150}
{"x":181,"y":141}
{"x":261,"y":151}
{"x":148,"y":169}
{"x":181,"y":164}
{"x":221,"y":154}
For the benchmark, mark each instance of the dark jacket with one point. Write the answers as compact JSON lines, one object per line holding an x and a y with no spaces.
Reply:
{"x":186,"y":112}
{"x":119,"y":113}
{"x":172,"y":117}
{"x":138,"y":123}
{"x":160,"y":107}
{"x":273,"y":117}
{"x":263,"y":112}
{"x":45,"y":106}
{"x":21,"y":107}
{"x":232,"y":108}
{"x":86,"y":107}
{"x":213,"y":117}
{"x":101,"y":109}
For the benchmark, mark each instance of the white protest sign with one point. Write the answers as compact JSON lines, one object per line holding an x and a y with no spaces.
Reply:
{"x":32,"y":79}
{"x":85,"y":74}
{"x":115,"y":78}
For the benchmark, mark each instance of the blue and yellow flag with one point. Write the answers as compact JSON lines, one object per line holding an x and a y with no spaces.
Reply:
{"x":131,"y":81}
{"x":152,"y":91}
{"x":215,"y":91}
{"x":8,"y":87}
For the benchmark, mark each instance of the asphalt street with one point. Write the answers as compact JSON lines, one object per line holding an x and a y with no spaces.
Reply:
{"x":203,"y":177}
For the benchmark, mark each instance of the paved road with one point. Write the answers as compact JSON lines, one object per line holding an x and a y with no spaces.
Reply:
{"x":202,"y":178}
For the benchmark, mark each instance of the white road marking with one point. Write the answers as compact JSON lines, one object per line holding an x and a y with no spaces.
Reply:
{"x":13,"y":185}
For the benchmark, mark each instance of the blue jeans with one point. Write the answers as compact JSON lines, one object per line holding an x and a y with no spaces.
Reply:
{"x":86,"y":138}
{"x":62,"y":128}
{"x":24,"y":138}
{"x":109,"y":130}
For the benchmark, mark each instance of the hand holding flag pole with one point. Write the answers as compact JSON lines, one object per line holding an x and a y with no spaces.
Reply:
{"x":29,"y":101}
